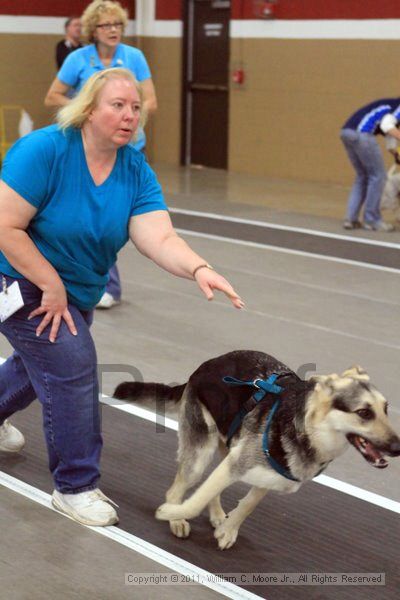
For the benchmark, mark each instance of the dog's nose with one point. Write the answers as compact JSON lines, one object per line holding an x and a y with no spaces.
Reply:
{"x":395,"y":447}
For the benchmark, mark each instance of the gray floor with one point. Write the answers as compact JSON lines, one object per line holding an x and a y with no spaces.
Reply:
{"x":302,"y":309}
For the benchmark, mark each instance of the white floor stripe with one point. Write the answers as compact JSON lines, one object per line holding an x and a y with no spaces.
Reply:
{"x":135,"y":543}
{"x":268,"y":225}
{"x":143,"y":413}
{"x":336,"y":259}
{"x":352,"y":490}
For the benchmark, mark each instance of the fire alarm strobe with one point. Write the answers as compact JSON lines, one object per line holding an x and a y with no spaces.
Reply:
{"x":264,"y":9}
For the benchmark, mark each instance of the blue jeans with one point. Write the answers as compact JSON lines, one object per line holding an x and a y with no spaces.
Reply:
{"x":113,"y":286}
{"x":63,"y":376}
{"x":366,"y":158}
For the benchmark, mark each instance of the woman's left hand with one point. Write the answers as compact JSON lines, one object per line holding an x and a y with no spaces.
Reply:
{"x":209,"y":280}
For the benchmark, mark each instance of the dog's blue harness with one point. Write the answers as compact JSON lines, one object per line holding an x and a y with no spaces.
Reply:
{"x":263,"y":387}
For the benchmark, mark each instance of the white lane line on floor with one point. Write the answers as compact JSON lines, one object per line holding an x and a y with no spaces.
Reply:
{"x":135,"y":543}
{"x":345,"y":261}
{"x":268,"y":225}
{"x":138,"y":411}
{"x":352,"y":490}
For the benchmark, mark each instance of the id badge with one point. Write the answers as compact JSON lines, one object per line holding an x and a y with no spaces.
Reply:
{"x":10,"y":300}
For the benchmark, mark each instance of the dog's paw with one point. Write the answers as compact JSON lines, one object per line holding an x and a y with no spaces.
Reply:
{"x":217,"y":517}
{"x":225,"y":535}
{"x":180,"y":528}
{"x":169,"y":512}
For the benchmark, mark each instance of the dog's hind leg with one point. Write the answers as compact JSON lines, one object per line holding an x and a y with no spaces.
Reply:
{"x":196,"y":450}
{"x":190,"y":470}
{"x":215,"y":510}
{"x":219,"y":479}
{"x":227,"y":532}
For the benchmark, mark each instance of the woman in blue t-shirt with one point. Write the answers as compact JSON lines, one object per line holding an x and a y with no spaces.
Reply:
{"x":103,"y":24}
{"x":71,"y":195}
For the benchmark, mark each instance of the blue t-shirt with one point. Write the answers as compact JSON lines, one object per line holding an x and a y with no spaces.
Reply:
{"x":81,"y":64}
{"x":367,"y":118}
{"x":79,"y":226}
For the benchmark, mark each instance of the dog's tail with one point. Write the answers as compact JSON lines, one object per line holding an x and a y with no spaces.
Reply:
{"x":149,"y":393}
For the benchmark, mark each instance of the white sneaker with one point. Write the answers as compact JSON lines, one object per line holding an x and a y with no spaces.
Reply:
{"x":107,"y":301}
{"x":11,"y":439}
{"x":378,"y":226}
{"x":88,"y":508}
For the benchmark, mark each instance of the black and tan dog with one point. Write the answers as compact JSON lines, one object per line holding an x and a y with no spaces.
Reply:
{"x":287,"y":432}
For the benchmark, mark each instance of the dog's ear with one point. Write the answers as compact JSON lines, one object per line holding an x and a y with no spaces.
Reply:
{"x":324,"y":380}
{"x":356,"y":372}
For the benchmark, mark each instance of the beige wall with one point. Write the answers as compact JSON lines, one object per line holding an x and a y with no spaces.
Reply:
{"x":27,"y":68}
{"x":285,"y":121}
{"x":164,"y":128}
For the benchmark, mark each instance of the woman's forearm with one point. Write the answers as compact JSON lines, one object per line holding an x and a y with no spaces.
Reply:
{"x":23,"y":255}
{"x":56,"y":100}
{"x":175,"y":256}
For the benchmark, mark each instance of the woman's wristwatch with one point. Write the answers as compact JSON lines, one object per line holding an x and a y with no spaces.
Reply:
{"x":203,"y":266}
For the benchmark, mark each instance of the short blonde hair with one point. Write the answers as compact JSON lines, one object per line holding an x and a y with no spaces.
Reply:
{"x":93,"y":13}
{"x":77,"y":111}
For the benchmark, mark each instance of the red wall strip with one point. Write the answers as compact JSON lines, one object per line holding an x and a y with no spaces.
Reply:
{"x":51,"y":8}
{"x":322,"y":9}
{"x":241,"y":9}
{"x":299,"y":9}
{"x":169,"y":9}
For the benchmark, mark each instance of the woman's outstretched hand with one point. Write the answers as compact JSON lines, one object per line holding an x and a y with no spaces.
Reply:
{"x":209,"y":280}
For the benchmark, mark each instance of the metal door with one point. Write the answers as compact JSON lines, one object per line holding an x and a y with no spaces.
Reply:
{"x":205,"y":89}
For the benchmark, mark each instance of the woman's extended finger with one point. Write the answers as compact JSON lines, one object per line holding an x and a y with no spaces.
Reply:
{"x":222,"y":286}
{"x":54,"y":328}
{"x":43,"y":324}
{"x":228,"y":290}
{"x":38,"y":311}
{"x":70,"y":322}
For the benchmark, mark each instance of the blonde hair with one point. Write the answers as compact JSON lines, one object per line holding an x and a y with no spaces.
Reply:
{"x":93,"y":13}
{"x":76,"y":112}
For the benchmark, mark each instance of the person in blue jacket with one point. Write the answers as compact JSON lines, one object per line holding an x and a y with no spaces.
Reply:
{"x":358,"y":135}
{"x":103,"y":24}
{"x":71,"y":195}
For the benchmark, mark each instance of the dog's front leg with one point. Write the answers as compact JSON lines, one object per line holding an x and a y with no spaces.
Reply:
{"x":227,"y":532}
{"x":216,"y":512}
{"x":219,"y":479}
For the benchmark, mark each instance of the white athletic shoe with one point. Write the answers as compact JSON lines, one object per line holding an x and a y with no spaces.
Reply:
{"x":107,"y":301}
{"x":88,"y":508}
{"x":11,"y":439}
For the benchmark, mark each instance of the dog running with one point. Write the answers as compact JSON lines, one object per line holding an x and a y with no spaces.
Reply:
{"x":275,"y":431}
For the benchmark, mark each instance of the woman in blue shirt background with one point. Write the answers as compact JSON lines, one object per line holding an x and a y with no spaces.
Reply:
{"x":103,"y":24}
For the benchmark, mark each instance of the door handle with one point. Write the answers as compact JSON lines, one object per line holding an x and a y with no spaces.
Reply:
{"x":208,"y":87}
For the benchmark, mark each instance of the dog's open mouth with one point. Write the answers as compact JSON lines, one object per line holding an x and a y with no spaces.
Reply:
{"x":368,"y":450}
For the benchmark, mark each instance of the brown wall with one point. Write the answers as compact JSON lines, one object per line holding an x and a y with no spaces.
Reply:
{"x":27,"y":68}
{"x":285,"y":121}
{"x":164,"y":128}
